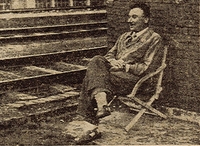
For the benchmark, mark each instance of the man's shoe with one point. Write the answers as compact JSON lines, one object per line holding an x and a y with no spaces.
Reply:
{"x":104,"y":112}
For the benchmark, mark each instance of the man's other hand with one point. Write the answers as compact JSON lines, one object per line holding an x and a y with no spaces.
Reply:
{"x":118,"y":64}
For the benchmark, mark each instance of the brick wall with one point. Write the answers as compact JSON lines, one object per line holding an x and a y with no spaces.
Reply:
{"x":178,"y":22}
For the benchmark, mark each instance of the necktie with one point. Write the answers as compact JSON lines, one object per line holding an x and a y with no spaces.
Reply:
{"x":130,"y":37}
{"x":133,"y":34}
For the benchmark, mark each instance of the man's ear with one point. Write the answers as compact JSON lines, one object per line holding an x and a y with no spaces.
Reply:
{"x":146,"y":20}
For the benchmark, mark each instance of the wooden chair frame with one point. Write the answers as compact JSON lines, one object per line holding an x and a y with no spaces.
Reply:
{"x":147,"y":105}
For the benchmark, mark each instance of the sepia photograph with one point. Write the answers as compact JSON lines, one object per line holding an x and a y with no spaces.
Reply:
{"x":99,"y":72}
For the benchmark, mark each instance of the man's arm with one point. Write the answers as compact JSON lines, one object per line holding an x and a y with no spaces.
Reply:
{"x":111,"y":55}
{"x":139,"y":68}
{"x":112,"y":52}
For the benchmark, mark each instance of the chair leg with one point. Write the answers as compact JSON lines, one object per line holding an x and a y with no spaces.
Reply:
{"x":140,"y":113}
{"x":135,"y":119}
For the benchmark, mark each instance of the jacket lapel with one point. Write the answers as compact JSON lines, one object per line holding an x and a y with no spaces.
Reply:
{"x":140,"y":39}
{"x":136,"y":43}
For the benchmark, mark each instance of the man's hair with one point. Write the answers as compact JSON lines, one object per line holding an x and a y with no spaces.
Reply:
{"x":143,"y":6}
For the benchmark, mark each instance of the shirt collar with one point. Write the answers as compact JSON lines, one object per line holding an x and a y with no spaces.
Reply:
{"x":141,"y":32}
{"x":133,"y":34}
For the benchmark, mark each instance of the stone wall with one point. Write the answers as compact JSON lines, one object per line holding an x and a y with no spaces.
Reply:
{"x":178,"y":22}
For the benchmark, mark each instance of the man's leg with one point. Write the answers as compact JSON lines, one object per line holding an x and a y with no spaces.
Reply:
{"x":103,"y":109}
{"x":101,"y":100}
{"x":95,"y":86}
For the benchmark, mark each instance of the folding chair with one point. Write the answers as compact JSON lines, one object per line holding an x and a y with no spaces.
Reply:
{"x":147,"y":105}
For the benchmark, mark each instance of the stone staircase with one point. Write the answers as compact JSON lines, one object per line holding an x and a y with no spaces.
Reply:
{"x":35,"y":104}
{"x":18,"y":107}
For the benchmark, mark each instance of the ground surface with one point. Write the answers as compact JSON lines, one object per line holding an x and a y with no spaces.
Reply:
{"x":149,"y":130}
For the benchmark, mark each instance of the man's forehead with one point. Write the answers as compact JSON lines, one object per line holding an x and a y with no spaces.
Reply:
{"x":136,"y":11}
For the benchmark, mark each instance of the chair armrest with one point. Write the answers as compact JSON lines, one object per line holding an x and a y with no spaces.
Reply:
{"x":146,"y":77}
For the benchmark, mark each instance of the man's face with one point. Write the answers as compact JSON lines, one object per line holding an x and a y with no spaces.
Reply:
{"x":137,"y":21}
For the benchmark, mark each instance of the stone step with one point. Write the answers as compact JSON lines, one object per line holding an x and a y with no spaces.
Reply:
{"x":33,"y":48}
{"x":9,"y":32}
{"x":33,"y":107}
{"x":38,"y":101}
{"x":35,"y":68}
{"x":5,"y":75}
{"x":16,"y":20}
{"x":62,"y":88}
{"x":15,"y":118}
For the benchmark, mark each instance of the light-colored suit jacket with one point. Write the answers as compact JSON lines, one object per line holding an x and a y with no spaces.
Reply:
{"x":142,"y":53}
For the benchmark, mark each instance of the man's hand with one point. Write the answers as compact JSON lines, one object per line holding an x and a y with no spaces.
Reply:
{"x":118,"y":64}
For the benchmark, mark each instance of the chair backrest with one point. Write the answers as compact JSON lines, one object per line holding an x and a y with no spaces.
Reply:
{"x":163,"y":65}
{"x":149,"y":75}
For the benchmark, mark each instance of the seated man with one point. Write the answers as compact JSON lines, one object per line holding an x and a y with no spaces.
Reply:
{"x":134,"y":54}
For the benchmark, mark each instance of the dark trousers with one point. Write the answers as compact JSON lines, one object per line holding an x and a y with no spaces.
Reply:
{"x":99,"y":79}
